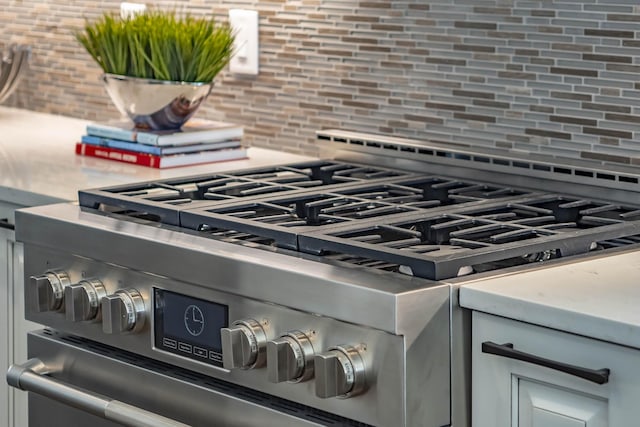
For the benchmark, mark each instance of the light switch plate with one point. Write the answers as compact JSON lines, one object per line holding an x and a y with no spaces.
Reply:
{"x":245,"y":25}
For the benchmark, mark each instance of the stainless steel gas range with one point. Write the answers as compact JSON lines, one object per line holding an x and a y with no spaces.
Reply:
{"x":318,"y":293}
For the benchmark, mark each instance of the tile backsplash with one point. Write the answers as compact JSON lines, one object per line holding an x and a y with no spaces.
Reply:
{"x":548,"y":77}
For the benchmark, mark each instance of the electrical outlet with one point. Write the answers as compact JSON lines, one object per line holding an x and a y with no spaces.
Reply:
{"x":129,"y":10}
{"x":245,"y":25}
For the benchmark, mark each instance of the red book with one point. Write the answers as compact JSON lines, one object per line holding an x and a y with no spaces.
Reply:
{"x":153,"y":161}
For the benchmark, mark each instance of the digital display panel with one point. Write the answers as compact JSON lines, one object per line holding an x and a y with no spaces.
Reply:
{"x":189,"y":326}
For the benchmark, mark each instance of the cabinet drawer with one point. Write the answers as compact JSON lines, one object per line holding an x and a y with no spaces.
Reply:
{"x":561,"y":381}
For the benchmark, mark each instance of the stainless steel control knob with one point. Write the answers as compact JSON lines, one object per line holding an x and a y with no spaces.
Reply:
{"x":82,"y":300}
{"x":122,"y":311}
{"x":290,"y":358}
{"x":244,"y":345}
{"x":340,"y":372}
{"x":48,"y":290}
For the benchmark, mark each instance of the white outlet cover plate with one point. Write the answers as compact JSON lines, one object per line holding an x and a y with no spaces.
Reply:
{"x":245,"y":25}
{"x":128,"y":10}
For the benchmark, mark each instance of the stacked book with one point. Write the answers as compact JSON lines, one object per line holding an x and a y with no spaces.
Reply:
{"x":198,"y":141}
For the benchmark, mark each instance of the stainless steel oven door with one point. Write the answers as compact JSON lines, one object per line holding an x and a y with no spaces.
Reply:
{"x":74,"y":382}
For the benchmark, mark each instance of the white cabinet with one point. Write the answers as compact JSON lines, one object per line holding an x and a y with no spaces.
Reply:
{"x":529,"y":376}
{"x":13,"y":327}
{"x":6,"y":263}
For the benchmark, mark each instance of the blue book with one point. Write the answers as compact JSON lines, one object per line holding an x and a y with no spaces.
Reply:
{"x":155,"y":150}
{"x":193,"y":132}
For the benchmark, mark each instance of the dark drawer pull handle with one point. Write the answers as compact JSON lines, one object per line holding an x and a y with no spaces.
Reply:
{"x":4,"y":223}
{"x":598,"y":376}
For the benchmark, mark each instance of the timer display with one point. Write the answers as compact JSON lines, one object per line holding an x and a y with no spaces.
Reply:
{"x":189,"y":326}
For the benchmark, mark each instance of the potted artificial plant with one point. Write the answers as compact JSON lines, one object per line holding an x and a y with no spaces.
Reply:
{"x":158,"y":65}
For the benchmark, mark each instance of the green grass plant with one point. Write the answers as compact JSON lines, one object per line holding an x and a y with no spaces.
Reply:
{"x":159,"y":45}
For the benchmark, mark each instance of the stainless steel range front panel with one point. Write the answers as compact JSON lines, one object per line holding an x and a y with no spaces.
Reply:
{"x":401,"y":327}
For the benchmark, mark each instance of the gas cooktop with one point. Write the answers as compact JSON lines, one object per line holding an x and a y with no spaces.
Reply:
{"x":430,"y":226}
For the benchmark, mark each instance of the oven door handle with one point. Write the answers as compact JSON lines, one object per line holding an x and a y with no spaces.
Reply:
{"x":32,"y":376}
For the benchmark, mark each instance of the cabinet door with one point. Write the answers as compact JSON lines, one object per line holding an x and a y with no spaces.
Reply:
{"x":547,"y":405}
{"x":507,"y":392}
{"x":6,"y":344}
{"x":19,"y":330}
{"x":13,"y":327}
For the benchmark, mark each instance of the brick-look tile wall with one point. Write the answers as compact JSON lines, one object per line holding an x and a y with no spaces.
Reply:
{"x":549,"y":77}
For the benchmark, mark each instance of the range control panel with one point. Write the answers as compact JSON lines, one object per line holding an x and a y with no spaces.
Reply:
{"x":216,"y":329}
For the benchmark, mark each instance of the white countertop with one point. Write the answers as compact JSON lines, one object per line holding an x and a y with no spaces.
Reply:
{"x":38,"y":163}
{"x":598,"y":298}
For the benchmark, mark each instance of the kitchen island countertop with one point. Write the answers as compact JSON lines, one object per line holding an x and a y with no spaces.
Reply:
{"x":38,"y":163}
{"x":597,"y":297}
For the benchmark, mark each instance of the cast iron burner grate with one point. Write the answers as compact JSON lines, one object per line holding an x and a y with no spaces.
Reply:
{"x":320,"y":173}
{"x":282,"y":217}
{"x":444,"y":245}
{"x":432,"y":226}
{"x":165,"y":199}
{"x":237,"y":237}
{"x":431,"y":191}
{"x":368,"y":263}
